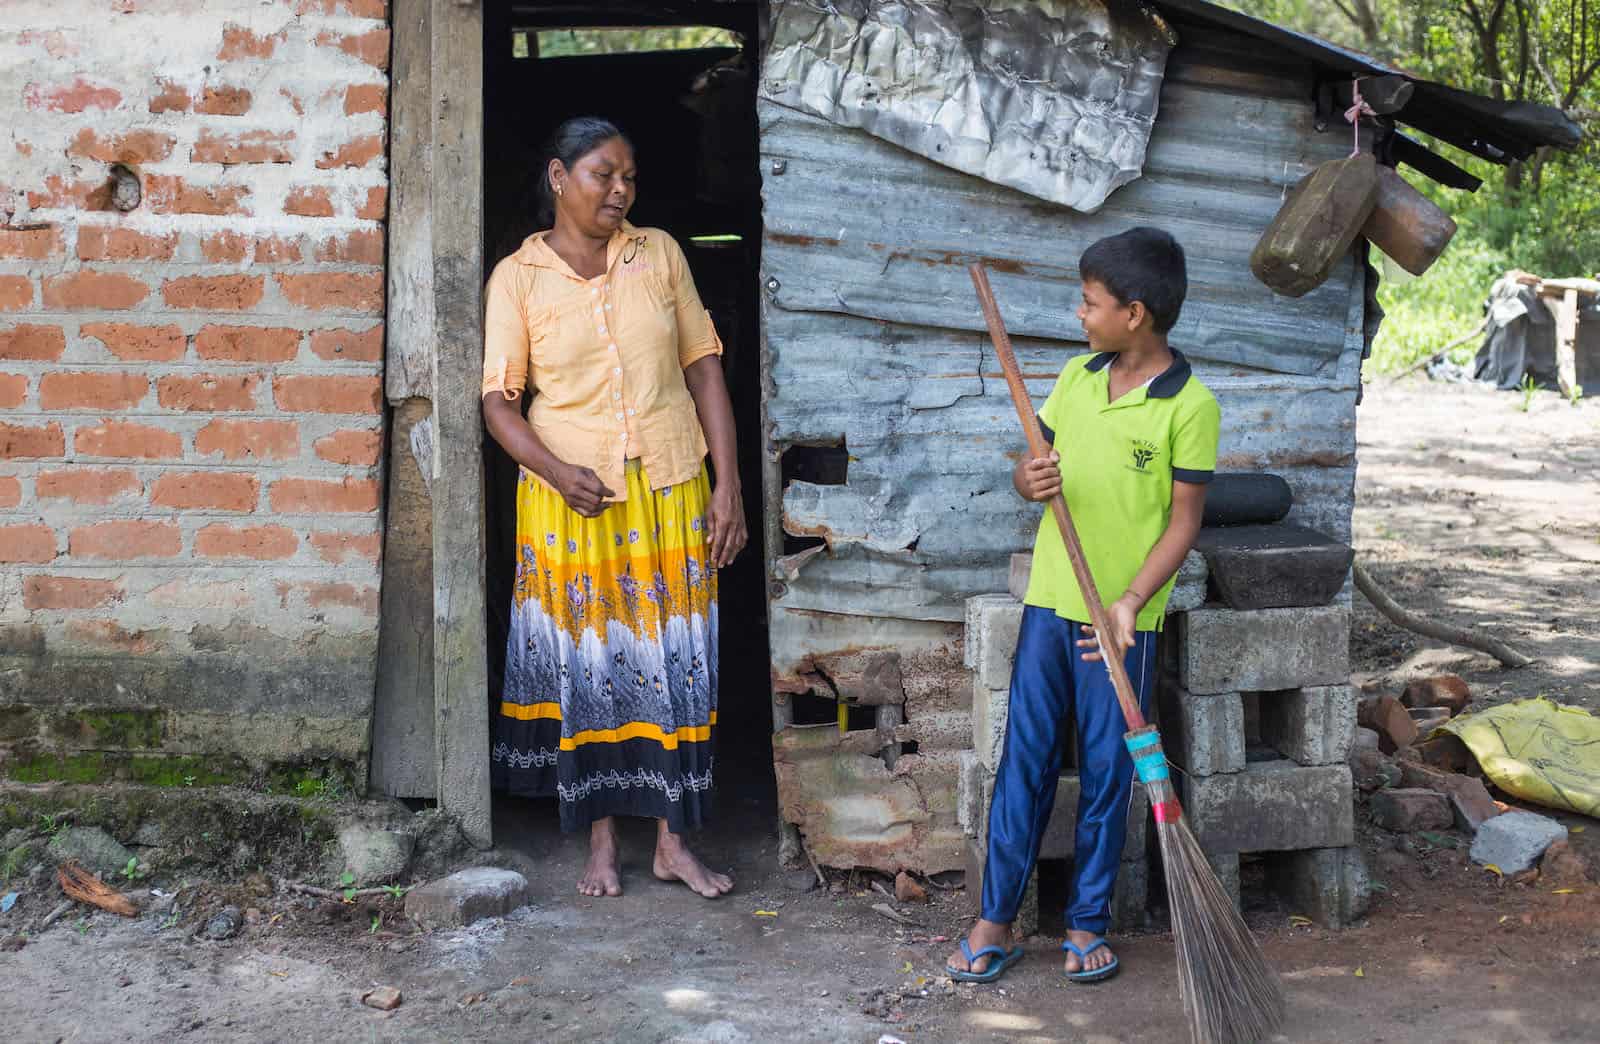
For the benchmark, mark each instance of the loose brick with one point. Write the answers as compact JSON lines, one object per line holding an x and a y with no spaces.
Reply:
{"x":309,"y":201}
{"x":343,"y":496}
{"x":349,"y":8}
{"x":170,"y":98}
{"x":224,"y":101}
{"x":32,"y":343}
{"x":78,"y":95}
{"x":13,"y":390}
{"x":240,"y":43}
{"x":125,"y":538}
{"x":206,"y":490}
{"x":247,"y":344}
{"x":257,"y":146}
{"x":334,"y":291}
{"x":372,"y":47}
{"x":228,"y":293}
{"x":209,"y":392}
{"x":11,"y":496}
{"x":89,"y":289}
{"x":362,"y":247}
{"x":358,"y":152}
{"x":69,"y":592}
{"x":350,"y":446}
{"x":337,"y":547}
{"x":27,"y":441}
{"x":138,"y":146}
{"x":111,"y":635}
{"x":16,"y":293}
{"x":328,"y":394}
{"x":92,"y":390}
{"x":376,"y":206}
{"x":33,"y":543}
{"x":31,"y":244}
{"x":83,"y":485}
{"x":168,"y":194}
{"x":249,"y":440}
{"x":349,"y":345}
{"x":366,"y":97}
{"x":99,"y":243}
{"x":127,"y":441}
{"x":259,"y":542}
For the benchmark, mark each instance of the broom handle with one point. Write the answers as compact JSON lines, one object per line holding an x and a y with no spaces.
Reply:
{"x":1058,"y":504}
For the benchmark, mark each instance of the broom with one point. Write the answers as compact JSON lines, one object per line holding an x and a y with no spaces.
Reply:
{"x":1229,"y":993}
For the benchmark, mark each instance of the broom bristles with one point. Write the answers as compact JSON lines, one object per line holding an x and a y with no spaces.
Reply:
{"x":1229,"y":993}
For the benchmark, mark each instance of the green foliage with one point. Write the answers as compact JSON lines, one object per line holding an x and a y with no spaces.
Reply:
{"x":1529,"y":390}
{"x":566,"y":43}
{"x":132,"y":871}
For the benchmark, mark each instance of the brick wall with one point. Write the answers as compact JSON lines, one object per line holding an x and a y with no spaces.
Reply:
{"x":190,"y":391}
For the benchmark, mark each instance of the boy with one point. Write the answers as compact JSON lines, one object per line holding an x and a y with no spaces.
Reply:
{"x":1139,"y":434}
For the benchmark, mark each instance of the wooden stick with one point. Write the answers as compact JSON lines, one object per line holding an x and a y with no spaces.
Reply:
{"x":1429,"y":360}
{"x":1443,"y":632}
{"x":1058,"y":504}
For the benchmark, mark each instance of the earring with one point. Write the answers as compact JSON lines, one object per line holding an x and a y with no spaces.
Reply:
{"x":560,"y":189}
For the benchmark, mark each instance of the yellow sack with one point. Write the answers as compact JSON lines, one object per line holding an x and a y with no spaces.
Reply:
{"x":1537,"y":750}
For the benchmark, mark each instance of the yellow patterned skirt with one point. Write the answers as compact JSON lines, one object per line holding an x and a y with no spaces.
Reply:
{"x":611,"y":665}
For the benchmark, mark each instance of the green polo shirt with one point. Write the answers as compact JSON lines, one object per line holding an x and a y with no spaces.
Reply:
{"x":1118,"y":462}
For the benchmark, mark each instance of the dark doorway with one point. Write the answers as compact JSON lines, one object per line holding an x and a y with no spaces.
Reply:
{"x":679,"y":79}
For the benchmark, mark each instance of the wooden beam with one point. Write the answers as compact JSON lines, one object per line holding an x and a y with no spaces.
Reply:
{"x":1567,"y":342}
{"x":460,"y":655}
{"x":409,"y":324}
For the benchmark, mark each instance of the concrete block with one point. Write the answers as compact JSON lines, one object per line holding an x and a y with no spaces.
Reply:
{"x":467,"y":896}
{"x":1059,"y":833}
{"x":1188,"y":593}
{"x":1204,"y":734}
{"x":975,"y":786}
{"x":1130,"y":897}
{"x":1224,"y":650}
{"x":1514,"y":841}
{"x":993,"y":622}
{"x":989,"y":709}
{"x":1314,"y":725}
{"x":1274,"y":566}
{"x":1272,"y":806}
{"x":1226,"y":867}
{"x":1027,"y":922}
{"x":1329,"y":885}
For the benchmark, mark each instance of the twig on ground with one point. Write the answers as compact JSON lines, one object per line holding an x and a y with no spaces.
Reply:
{"x":1440,"y":354}
{"x":1461,"y":636}
{"x":877,"y":886}
{"x":55,"y":915}
{"x":821,"y":880}
{"x":331,"y":893}
{"x":894,"y":915}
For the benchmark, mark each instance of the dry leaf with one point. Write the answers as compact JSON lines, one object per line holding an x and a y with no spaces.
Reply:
{"x":1297,"y":921}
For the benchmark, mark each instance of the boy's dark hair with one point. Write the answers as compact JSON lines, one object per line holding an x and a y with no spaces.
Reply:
{"x":573,"y":140}
{"x":1141,"y":264}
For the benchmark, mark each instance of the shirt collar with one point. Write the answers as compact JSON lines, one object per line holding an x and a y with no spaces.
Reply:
{"x":537,"y":253}
{"x":1167,"y":385}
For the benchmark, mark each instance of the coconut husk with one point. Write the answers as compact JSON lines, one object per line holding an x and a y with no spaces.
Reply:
{"x":85,"y":887}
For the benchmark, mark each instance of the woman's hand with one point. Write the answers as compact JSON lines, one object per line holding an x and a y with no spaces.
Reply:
{"x":1124,"y":614}
{"x":725,"y":529}
{"x":1040,"y":478}
{"x":582,"y":489}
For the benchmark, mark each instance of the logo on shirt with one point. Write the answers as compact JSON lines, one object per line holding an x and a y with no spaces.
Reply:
{"x":1144,"y":453}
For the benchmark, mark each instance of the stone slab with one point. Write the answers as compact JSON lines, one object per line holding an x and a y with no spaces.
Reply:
{"x":1314,"y":725}
{"x":1329,"y":885}
{"x":1272,"y":806}
{"x":1514,"y":841}
{"x":373,"y":855}
{"x":467,"y":896}
{"x":1225,"y":650}
{"x":1274,"y":566}
{"x":1059,"y":834}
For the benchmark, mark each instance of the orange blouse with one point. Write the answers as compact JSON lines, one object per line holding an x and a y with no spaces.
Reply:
{"x":604,"y":357}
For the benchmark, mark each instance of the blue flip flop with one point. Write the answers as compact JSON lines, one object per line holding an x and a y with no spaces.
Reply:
{"x":1000,"y":960}
{"x":1096,"y":974}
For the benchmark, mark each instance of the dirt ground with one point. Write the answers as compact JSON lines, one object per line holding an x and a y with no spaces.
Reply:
{"x":1467,"y":508}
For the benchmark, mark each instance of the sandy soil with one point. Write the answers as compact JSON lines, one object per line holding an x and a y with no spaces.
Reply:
{"x":1468,"y":508}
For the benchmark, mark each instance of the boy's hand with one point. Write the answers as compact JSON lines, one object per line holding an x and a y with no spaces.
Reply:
{"x":1124,"y":615}
{"x":1041,"y":477}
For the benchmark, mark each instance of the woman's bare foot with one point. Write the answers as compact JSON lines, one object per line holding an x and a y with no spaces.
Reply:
{"x":1098,"y":959}
{"x":600,"y":874}
{"x":984,"y":933}
{"x":674,"y":862}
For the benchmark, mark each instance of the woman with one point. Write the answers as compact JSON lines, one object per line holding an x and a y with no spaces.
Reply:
{"x":611,"y":666}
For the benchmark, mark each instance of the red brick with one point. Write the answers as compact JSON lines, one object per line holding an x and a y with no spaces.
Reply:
{"x":342,"y":496}
{"x":16,"y":293}
{"x":328,"y":394}
{"x":13,"y":390}
{"x":139,"y":343}
{"x":309,"y":201}
{"x":349,"y":446}
{"x":69,"y":592}
{"x":125,"y":538}
{"x":228,"y":293}
{"x":99,"y":243}
{"x":212,"y":393}
{"x":362,"y":247}
{"x":294,"y":101}
{"x":206,"y":490}
{"x":18,"y":441}
{"x":371,"y":47}
{"x":336,"y":547}
{"x":76,"y":96}
{"x":110,"y":635}
{"x":32,"y":542}
{"x":61,"y":194}
{"x":127,"y":441}
{"x":87,"y":485}
{"x":274,"y":250}
{"x":366,"y":97}
{"x":349,"y":345}
{"x":358,"y":152}
{"x":320,"y":596}
{"x":32,"y":343}
{"x":351,"y":8}
{"x":170,"y":98}
{"x":376,"y":207}
{"x":31,"y":244}
{"x":11,"y":492}
{"x":257,"y":146}
{"x":89,"y":289}
{"x":328,"y":291}
{"x":259,"y":542}
{"x":92,"y":390}
{"x":223,"y":101}
{"x":138,"y":146}
{"x":247,"y":343}
{"x":239,"y":42}
{"x":249,"y":440}
{"x":168,"y":194}
{"x":225,"y":248}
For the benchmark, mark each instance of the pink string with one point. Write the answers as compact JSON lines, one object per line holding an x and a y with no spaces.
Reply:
{"x":1358,"y":108}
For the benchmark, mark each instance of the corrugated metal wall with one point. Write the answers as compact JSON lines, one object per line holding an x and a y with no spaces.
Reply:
{"x":875,"y":343}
